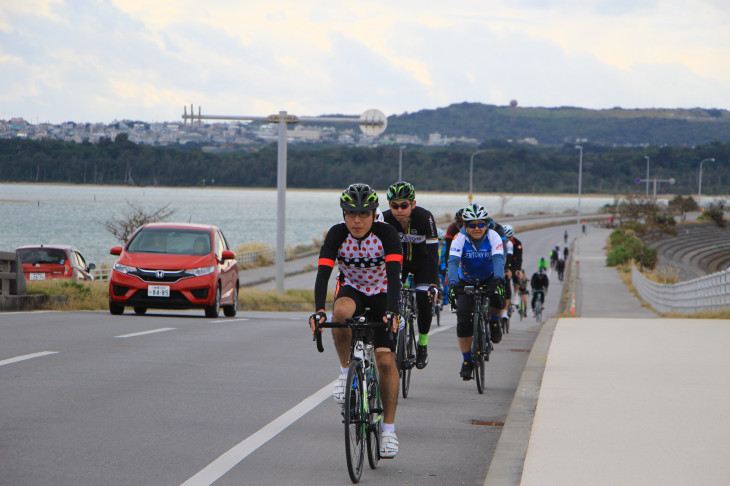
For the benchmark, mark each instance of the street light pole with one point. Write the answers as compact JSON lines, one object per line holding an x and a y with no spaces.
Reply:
{"x":699,"y":187}
{"x":471,"y":173}
{"x":647,"y":175}
{"x":580,"y":177}
{"x":400,"y":162}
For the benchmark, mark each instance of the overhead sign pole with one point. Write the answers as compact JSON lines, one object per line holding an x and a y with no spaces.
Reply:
{"x":372,"y":123}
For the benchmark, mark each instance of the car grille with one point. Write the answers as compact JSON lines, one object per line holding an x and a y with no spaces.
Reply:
{"x":160,"y":276}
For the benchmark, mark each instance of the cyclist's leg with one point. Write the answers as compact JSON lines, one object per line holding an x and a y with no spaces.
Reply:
{"x":347,"y":303}
{"x":464,"y":334}
{"x":385,"y":361}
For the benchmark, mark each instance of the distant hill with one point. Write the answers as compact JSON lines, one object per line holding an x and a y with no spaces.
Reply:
{"x":556,"y":126}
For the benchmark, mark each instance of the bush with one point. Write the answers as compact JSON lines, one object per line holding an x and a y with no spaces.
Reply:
{"x":625,"y":247}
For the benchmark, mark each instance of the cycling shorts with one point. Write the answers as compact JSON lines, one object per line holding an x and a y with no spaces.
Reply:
{"x":376,"y":303}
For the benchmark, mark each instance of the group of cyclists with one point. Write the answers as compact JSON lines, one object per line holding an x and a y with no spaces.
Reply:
{"x":375,"y":252}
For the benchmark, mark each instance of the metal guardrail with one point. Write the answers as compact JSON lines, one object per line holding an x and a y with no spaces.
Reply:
{"x":12,"y":280}
{"x":708,"y":293}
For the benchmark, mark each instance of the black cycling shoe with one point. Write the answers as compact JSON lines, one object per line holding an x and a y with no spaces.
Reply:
{"x":496,"y":332}
{"x":421,"y":356}
{"x":467,"y":368}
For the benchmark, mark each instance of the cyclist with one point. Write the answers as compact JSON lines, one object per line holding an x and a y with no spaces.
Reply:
{"x":560,"y":267}
{"x":453,"y":229}
{"x":476,"y":258}
{"x":368,"y":254}
{"x":515,"y":262}
{"x":417,"y":231}
{"x":539,"y":282}
{"x":522,"y":288}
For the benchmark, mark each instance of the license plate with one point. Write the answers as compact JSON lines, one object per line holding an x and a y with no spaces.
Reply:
{"x":158,"y":291}
{"x":37,"y":276}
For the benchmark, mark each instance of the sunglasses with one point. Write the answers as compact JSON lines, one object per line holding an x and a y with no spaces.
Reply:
{"x":402,"y":205}
{"x":476,"y":225}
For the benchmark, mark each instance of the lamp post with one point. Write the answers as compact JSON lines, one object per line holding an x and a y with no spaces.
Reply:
{"x":580,"y":177}
{"x":471,"y":173}
{"x":400,"y":162}
{"x":647,"y":175}
{"x":699,"y":187}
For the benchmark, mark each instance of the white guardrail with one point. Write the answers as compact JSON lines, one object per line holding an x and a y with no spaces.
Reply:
{"x":708,"y":293}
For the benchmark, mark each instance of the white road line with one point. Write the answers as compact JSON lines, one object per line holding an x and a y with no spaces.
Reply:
{"x":213,"y":471}
{"x":228,"y":320}
{"x":26,"y":356}
{"x":143,"y":333}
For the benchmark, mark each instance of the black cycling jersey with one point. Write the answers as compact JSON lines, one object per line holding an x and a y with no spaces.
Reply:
{"x":420,"y":244}
{"x":539,"y":281}
{"x":370,"y":265}
{"x":515,"y":263}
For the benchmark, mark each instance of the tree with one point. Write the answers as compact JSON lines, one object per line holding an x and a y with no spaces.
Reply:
{"x":135,"y":217}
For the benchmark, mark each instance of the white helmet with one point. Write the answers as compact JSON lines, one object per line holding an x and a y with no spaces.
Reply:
{"x":474,"y":212}
{"x":509,"y":231}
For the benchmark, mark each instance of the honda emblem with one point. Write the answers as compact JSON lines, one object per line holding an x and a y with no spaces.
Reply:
{"x":160,"y":274}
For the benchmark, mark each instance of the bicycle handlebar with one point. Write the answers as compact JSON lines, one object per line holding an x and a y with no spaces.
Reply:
{"x":350,"y":323}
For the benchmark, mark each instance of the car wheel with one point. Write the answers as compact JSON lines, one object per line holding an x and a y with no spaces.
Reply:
{"x":230,"y":310}
{"x":214,"y":310}
{"x":140,"y":310}
{"x":116,"y":309}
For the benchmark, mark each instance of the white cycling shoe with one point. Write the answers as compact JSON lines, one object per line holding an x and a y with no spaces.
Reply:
{"x":388,"y":445}
{"x":339,"y":390}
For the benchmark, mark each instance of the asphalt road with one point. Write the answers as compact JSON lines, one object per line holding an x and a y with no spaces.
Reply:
{"x":89,"y":398}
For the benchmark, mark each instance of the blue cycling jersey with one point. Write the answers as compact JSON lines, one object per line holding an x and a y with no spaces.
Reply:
{"x":476,"y":261}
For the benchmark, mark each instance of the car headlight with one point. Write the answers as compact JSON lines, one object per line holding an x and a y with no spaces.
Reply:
{"x":118,"y":267}
{"x":199,"y":272}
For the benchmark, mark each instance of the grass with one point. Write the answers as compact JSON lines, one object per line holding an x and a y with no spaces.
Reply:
{"x":95,"y":296}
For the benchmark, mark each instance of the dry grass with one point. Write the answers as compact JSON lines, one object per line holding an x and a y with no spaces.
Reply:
{"x":95,"y":296}
{"x":79,"y":295}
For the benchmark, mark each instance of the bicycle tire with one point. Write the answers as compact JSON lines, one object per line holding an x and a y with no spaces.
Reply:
{"x":409,"y":348}
{"x":538,"y":308}
{"x":375,"y":417}
{"x":355,"y":420}
{"x":479,"y":350}
{"x":437,"y":312}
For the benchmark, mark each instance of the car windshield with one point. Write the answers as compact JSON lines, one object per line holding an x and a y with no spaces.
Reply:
{"x":172,"y":241}
{"x":42,"y":255}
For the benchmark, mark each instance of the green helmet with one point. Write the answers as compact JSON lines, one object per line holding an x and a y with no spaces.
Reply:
{"x":358,"y":197}
{"x":401,"y":190}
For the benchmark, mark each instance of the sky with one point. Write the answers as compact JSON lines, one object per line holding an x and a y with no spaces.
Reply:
{"x":105,"y":60}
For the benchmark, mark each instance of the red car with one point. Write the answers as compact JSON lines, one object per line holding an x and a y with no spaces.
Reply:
{"x":45,"y":262}
{"x":175,"y":266}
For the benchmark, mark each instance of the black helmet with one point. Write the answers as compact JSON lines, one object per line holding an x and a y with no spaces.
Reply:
{"x":358,"y":197}
{"x":401,"y":190}
{"x":457,"y":216}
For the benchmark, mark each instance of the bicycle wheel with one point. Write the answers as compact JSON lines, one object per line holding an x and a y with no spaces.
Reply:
{"x":436,"y":310}
{"x":355,"y":421}
{"x":375,"y":418}
{"x":521,"y":309}
{"x":478,"y":351}
{"x":409,"y":349}
{"x":538,"y":309}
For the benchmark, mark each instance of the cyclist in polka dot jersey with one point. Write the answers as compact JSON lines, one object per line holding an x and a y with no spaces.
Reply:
{"x":368,"y":255}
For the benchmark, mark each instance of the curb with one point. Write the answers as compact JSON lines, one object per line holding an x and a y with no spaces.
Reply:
{"x":508,"y":460}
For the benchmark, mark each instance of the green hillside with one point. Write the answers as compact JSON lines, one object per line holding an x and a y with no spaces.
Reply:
{"x":555,"y":126}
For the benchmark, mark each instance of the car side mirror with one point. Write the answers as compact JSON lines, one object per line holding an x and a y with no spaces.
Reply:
{"x":91,"y":266}
{"x":117,"y":250}
{"x":228,"y":255}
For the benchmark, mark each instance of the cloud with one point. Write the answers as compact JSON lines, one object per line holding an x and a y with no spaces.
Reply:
{"x":105,"y":60}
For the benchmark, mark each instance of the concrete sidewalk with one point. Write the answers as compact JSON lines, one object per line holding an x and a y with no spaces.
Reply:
{"x":618,"y":395}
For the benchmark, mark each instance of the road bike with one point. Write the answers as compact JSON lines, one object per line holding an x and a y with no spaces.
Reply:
{"x":362,"y":412}
{"x":436,"y":307}
{"x":405,"y":350}
{"x":538,"y":305}
{"x":481,"y":347}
